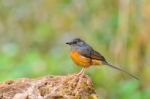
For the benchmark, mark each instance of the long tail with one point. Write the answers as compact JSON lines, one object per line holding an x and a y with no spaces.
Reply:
{"x":105,"y":63}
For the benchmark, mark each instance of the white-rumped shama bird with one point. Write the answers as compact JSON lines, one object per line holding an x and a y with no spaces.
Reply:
{"x":85,"y":56}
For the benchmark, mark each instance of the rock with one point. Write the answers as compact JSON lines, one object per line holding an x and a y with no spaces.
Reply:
{"x":73,"y":86}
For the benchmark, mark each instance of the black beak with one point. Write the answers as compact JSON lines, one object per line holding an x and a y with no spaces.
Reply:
{"x":69,"y":43}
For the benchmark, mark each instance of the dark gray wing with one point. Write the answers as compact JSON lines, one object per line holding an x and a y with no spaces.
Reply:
{"x":92,"y":54}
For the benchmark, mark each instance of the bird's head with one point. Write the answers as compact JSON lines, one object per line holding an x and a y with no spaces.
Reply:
{"x":76,"y":42}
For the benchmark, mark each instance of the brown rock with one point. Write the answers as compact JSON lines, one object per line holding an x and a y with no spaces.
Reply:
{"x":50,"y":87}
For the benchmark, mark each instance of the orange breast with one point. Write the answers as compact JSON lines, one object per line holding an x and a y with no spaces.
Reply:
{"x":83,"y":61}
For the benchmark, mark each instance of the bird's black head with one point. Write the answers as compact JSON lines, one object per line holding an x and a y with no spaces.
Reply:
{"x":76,"y":42}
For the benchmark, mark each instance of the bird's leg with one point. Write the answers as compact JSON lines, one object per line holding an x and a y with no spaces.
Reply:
{"x":79,"y":80}
{"x":82,"y":71}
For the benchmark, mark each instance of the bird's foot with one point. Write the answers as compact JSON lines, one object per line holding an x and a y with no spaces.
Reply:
{"x":81,"y":72}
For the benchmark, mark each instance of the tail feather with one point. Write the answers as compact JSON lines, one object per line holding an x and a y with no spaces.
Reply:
{"x":117,"y":68}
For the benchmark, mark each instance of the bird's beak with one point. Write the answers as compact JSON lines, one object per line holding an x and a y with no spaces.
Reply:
{"x":69,"y":43}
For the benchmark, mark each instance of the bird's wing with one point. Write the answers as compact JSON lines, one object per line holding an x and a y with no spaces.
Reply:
{"x":96,"y":55}
{"x":92,"y":54}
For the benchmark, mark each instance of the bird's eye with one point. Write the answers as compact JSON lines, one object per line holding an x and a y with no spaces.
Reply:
{"x":75,"y":42}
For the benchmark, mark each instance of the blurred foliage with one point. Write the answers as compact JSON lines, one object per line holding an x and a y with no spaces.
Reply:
{"x":33,"y":35}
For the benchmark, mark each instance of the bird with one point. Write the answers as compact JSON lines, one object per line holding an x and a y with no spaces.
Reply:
{"x":85,"y":56}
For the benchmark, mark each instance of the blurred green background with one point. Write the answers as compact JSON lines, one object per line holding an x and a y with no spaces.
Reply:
{"x":33,"y":35}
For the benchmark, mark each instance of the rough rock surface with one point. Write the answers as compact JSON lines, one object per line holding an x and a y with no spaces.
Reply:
{"x":73,"y":86}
